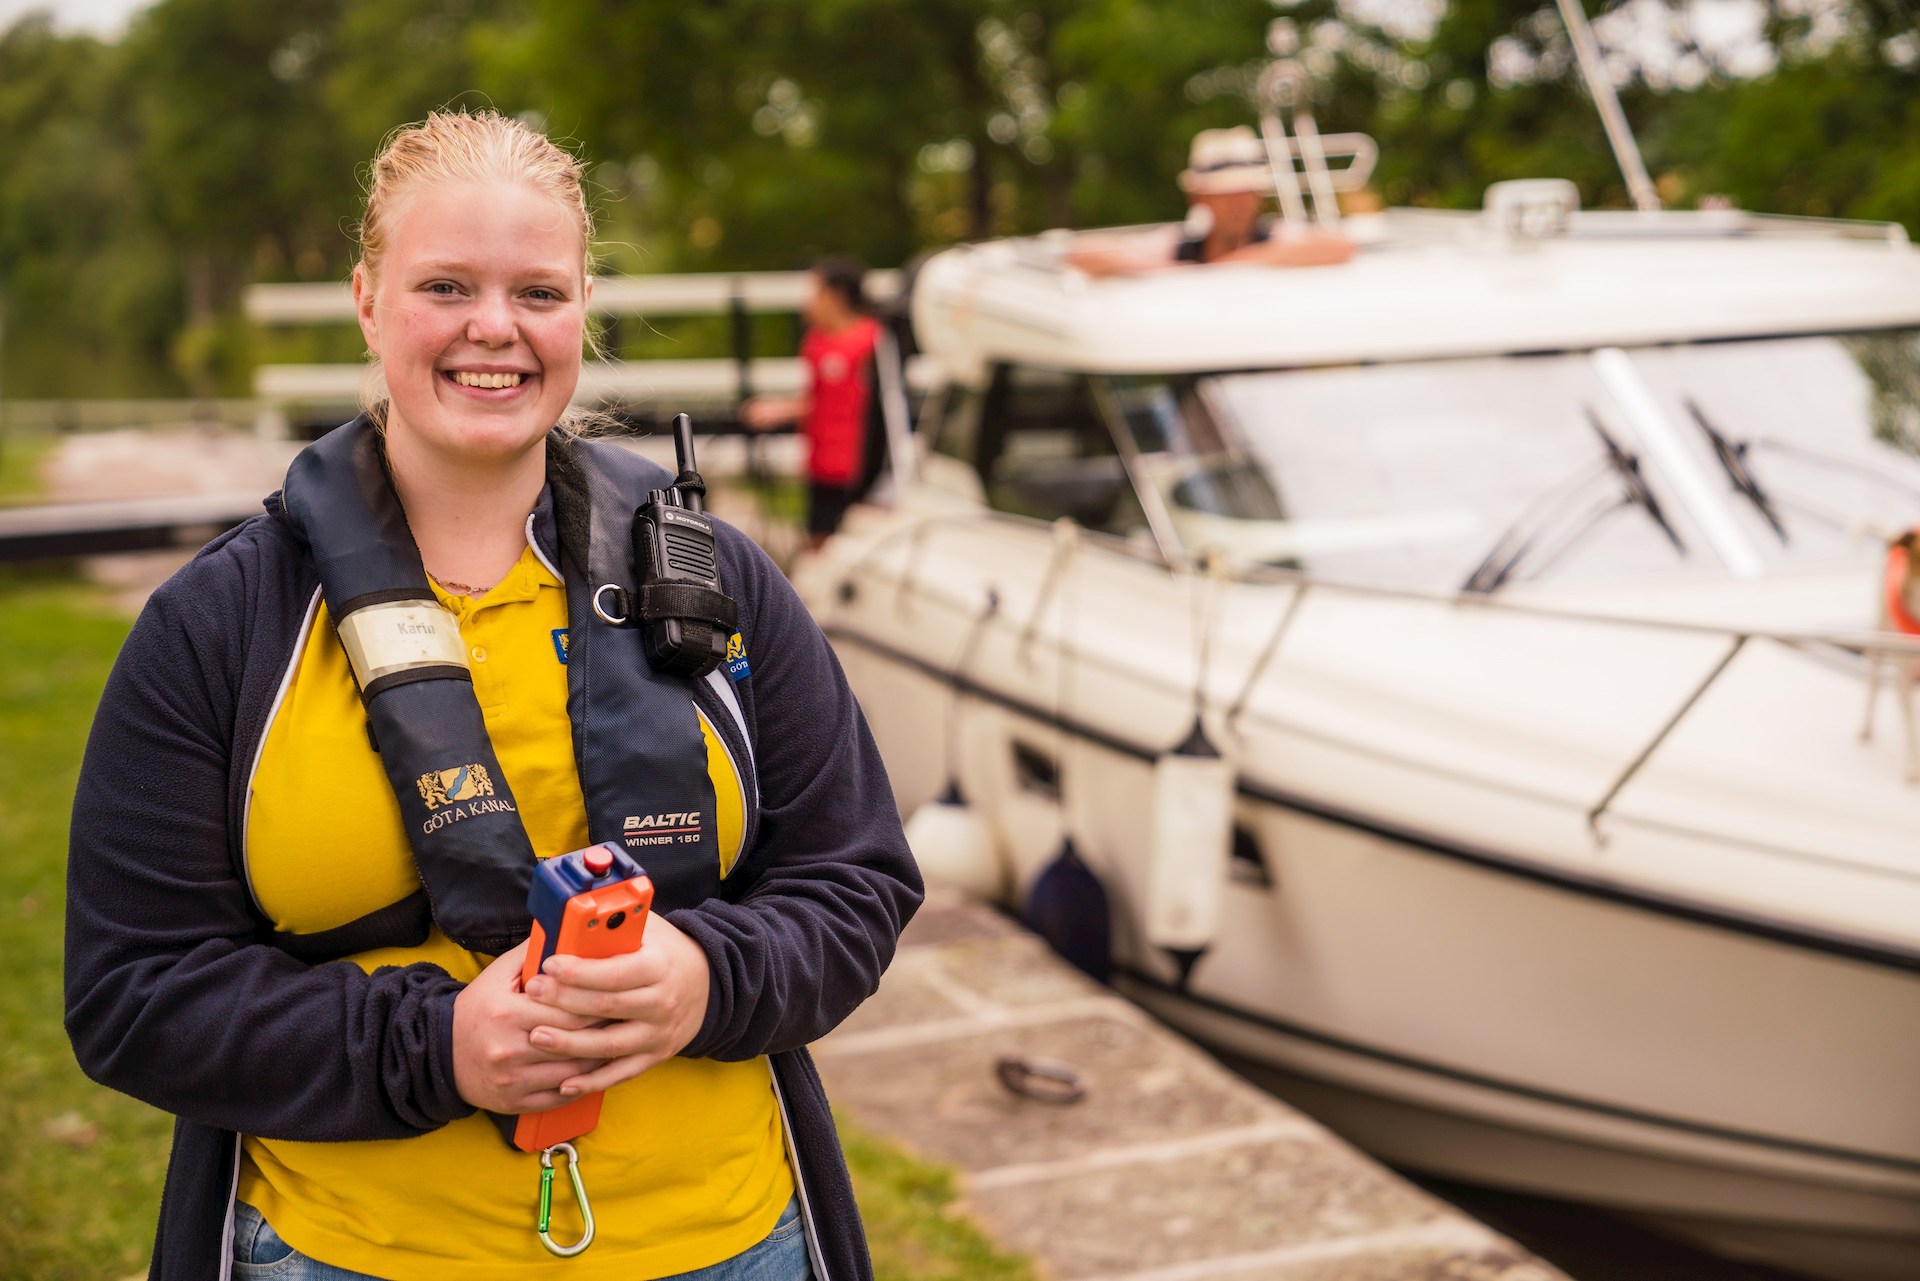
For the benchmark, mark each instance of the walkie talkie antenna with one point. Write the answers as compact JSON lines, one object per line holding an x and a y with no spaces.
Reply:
{"x":693,"y":490}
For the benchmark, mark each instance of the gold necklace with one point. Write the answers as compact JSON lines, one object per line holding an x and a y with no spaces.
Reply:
{"x":461,"y":589}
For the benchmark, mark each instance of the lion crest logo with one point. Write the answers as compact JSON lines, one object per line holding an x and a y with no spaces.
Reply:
{"x":441,"y":788}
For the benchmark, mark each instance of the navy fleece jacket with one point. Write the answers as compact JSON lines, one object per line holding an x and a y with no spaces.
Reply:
{"x":176,"y":996}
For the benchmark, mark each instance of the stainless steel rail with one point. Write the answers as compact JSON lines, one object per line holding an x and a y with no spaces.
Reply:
{"x":1862,"y":642}
{"x":1593,"y":70}
{"x":1672,"y":722}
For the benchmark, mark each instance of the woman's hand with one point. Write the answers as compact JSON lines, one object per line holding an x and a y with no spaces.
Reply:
{"x":764,"y":413}
{"x":495,"y":1066}
{"x":657,"y":997}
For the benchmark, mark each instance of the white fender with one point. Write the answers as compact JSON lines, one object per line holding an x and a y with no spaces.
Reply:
{"x":1192,"y":841}
{"x":954,"y":847}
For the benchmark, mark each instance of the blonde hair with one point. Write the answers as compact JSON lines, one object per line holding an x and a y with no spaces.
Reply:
{"x":456,"y":147}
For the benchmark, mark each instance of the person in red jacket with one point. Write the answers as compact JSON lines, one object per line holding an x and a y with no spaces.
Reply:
{"x":832,"y":411}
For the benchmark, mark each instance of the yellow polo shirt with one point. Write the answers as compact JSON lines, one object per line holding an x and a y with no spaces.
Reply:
{"x":688,"y":1165}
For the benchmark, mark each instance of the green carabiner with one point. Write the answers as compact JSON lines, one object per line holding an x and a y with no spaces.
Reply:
{"x":579,"y":1196}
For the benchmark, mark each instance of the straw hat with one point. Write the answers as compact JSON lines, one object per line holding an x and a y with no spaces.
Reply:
{"x":1226,"y":160}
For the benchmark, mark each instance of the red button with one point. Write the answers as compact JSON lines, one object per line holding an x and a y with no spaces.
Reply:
{"x":599,"y":860}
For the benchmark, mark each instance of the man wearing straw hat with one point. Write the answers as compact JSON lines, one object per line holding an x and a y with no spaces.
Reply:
{"x":1227,"y":181}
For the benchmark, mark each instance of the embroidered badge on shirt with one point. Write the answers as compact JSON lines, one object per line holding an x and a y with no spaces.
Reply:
{"x":560,"y":644}
{"x":440,"y":788}
{"x":737,"y":658}
{"x":457,"y":794}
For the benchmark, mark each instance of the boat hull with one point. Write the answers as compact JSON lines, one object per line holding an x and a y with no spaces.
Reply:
{"x":1736,"y":1088}
{"x":1729,"y":1202}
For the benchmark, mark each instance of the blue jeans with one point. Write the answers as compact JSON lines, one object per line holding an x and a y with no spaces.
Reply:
{"x":258,"y":1251}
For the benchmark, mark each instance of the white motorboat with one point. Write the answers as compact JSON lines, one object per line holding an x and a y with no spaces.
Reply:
{"x":1525,"y":569}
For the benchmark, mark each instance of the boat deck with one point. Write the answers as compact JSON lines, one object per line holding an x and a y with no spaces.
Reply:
{"x":1169,"y":1169}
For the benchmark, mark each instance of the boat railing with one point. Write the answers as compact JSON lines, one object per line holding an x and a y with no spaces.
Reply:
{"x":1794,"y":226}
{"x":1725,"y":224}
{"x":1046,"y":253}
{"x":1866,"y":642}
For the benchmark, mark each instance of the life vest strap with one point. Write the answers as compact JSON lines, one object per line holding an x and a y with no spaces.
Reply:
{"x":639,"y":748}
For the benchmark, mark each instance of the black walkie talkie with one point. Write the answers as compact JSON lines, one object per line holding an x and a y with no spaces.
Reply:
{"x":685,"y":619}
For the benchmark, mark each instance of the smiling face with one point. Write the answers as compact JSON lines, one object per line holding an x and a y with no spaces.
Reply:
{"x":477,"y":314}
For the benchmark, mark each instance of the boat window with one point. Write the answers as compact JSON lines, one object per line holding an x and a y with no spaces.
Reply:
{"x":1411,"y":474}
{"x":1816,"y":438}
{"x":956,"y":432}
{"x":1248,"y":865}
{"x":1035,"y":770}
{"x":1198,"y":468}
{"x":1044,"y":452}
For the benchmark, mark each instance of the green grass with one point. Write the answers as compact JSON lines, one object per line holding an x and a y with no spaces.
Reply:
{"x":20,"y":459}
{"x":80,"y":1178}
{"x":80,"y":1182}
{"x":913,"y":1228}
{"x":781,"y":498}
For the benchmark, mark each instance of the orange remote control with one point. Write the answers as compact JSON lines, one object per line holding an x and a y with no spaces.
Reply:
{"x":592,"y":902}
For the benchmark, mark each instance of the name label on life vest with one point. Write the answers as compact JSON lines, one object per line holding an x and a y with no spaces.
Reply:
{"x":383,"y":639}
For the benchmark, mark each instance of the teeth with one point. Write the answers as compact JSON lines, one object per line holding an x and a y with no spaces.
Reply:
{"x":466,"y":379}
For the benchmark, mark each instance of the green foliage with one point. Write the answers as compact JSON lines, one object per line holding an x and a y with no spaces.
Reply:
{"x":143,"y":184}
{"x":86,"y":297}
{"x":1834,"y":136}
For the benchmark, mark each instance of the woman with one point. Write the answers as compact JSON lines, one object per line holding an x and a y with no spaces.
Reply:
{"x":838,"y":355}
{"x":267,"y":934}
{"x":1227,"y":182}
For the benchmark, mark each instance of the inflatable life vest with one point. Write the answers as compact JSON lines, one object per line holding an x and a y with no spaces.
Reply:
{"x":1894,"y":598}
{"x":637,"y":737}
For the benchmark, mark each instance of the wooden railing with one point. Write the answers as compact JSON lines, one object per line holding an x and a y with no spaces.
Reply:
{"x":639,"y":388}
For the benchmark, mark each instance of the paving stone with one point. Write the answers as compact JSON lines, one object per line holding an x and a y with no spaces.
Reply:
{"x":1155,"y":1173}
{"x":1245,"y":1199}
{"x":1501,"y":1262}
{"x":948,"y":918}
{"x":913,"y":993}
{"x":1017,"y":969}
{"x":944,"y":1099}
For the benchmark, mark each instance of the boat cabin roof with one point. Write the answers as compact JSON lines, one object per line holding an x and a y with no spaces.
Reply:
{"x":1425,"y":284}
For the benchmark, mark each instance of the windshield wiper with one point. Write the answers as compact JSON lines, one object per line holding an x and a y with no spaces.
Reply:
{"x":1510,"y":549}
{"x":1627,"y":467}
{"x":1733,"y":460}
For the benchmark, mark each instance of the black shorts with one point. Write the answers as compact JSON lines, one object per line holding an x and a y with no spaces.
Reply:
{"x":826,"y":505}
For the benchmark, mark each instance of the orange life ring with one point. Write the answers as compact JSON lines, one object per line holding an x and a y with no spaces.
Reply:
{"x":1895,"y":596}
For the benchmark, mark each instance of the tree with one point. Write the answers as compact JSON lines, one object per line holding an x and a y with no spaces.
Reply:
{"x":88,"y":296}
{"x":223,"y":141}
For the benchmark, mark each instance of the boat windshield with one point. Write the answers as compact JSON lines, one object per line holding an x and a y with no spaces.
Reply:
{"x":1825,"y":429}
{"x":1695,"y":459}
